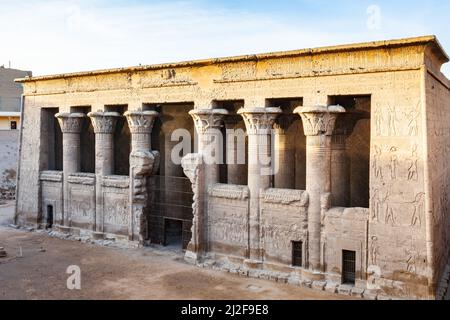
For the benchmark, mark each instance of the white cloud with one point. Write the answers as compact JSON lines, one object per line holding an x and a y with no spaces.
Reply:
{"x":62,"y":36}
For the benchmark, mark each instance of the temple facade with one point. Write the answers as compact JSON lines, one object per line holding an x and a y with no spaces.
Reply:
{"x":354,"y":198}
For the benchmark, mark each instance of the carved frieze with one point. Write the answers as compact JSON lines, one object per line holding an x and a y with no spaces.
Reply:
{"x":82,"y":178}
{"x":119,"y":182}
{"x":286,"y":197}
{"x":51,"y":176}
{"x":228,"y":191}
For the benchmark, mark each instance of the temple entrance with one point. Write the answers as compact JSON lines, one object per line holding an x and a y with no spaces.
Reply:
{"x":170,"y":197}
{"x":49,"y":217}
{"x":173,"y":233}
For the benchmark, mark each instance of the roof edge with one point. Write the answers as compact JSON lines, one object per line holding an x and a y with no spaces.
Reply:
{"x":431,"y":39}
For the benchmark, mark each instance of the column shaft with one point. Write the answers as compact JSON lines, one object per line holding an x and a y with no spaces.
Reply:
{"x":71,"y":126}
{"x":104,"y":124}
{"x":259,"y":123}
{"x":318,"y":124}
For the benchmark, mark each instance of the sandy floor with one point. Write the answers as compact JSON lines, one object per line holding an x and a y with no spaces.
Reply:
{"x":111,"y":273}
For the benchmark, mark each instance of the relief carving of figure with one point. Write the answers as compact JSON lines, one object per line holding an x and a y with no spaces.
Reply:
{"x":393,"y":163}
{"x":378,"y":121}
{"x":411,"y":261}
{"x":413,"y":174}
{"x":374,"y":251}
{"x":377,"y":204}
{"x":392,"y":121}
{"x":377,"y":167}
{"x":413,"y":123}
{"x":418,"y":209}
{"x":390,"y":217}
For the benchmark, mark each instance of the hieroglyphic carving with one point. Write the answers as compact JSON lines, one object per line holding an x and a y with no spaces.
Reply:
{"x":418,"y":210}
{"x":285,"y":196}
{"x":411,"y":258}
{"x":392,"y":121}
{"x":377,"y":163}
{"x":413,"y":120}
{"x":227,"y":191}
{"x":374,"y":251}
{"x":413,"y":174}
{"x":393,"y":162}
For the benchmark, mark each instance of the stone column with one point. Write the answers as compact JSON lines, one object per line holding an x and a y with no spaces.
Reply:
{"x":208,"y":123}
{"x":236,"y":172}
{"x":143,"y":163}
{"x":340,"y":162}
{"x":259,"y":123}
{"x":285,"y":152}
{"x":318,"y":125}
{"x":71,"y":125}
{"x":104,"y":124}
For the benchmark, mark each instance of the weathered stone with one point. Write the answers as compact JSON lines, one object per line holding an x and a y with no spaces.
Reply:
{"x":345,"y":289}
{"x":319,"y":285}
{"x":358,"y":173}
{"x":357,"y":292}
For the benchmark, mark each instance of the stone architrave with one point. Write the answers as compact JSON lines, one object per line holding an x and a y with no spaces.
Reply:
{"x":259,"y":123}
{"x":318,"y":124}
{"x":71,"y":125}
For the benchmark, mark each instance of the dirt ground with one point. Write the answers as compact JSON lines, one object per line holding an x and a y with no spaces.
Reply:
{"x":113,"y":273}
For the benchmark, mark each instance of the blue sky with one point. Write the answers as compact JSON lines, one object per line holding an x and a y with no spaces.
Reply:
{"x":55,"y":36}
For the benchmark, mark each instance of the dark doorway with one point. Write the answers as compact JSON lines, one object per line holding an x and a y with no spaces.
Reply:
{"x":13,"y":125}
{"x":49,"y":218}
{"x":173,"y":233}
{"x":297,"y":253}
{"x":348,"y":267}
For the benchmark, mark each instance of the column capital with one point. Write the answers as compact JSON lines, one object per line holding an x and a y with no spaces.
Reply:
{"x":205,"y":119}
{"x":319,"y":120}
{"x":346,"y":122}
{"x":259,"y":120}
{"x":104,"y":122}
{"x":70,"y":122}
{"x":141,"y":121}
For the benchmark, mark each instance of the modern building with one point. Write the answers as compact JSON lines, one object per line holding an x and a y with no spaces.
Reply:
{"x":358,"y":202}
{"x":10,"y":103}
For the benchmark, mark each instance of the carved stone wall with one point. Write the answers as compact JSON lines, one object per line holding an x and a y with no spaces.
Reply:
{"x":438,"y":137}
{"x":227,"y":220}
{"x":116,"y":212}
{"x":81,"y":200}
{"x":284,"y":218}
{"x":51,"y":195}
{"x":345,"y":229}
